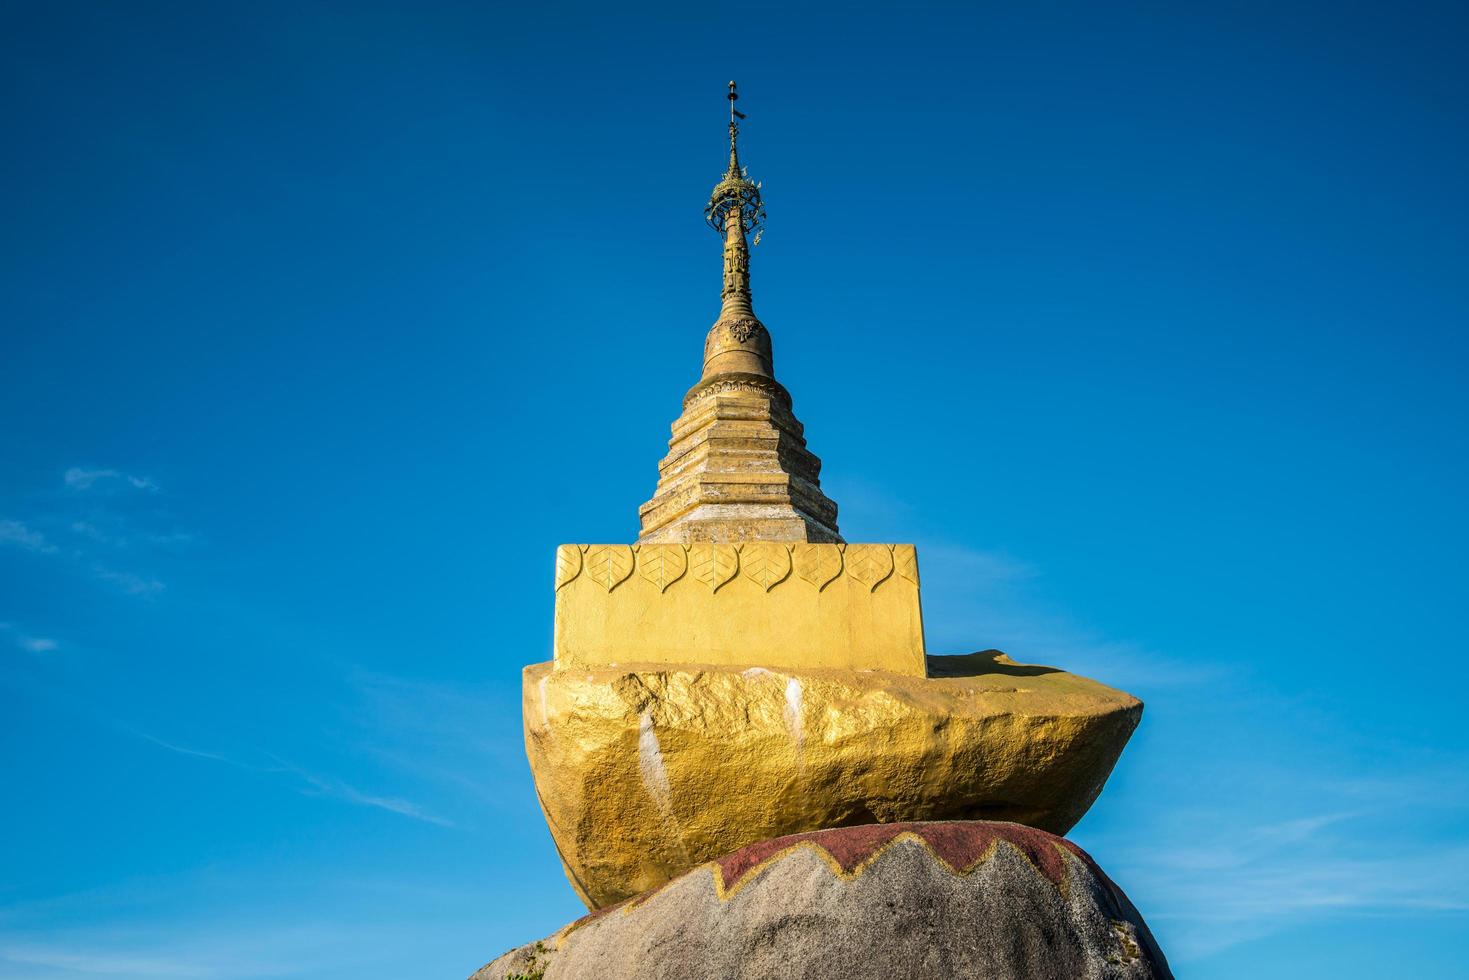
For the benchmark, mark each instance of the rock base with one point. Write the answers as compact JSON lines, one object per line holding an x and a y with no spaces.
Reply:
{"x":939,"y":900}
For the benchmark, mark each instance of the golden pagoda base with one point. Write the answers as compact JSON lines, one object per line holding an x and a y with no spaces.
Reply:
{"x":853,"y":606}
{"x":646,"y":772}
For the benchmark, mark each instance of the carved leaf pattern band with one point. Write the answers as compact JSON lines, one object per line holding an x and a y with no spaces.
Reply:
{"x":568,"y":563}
{"x":870,"y":564}
{"x":662,"y":564}
{"x":609,"y":565}
{"x":714,"y":564}
{"x":905,"y":557}
{"x":768,"y":564}
{"x":818,"y":564}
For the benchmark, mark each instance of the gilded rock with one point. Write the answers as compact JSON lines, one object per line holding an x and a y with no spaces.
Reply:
{"x":646,"y":773}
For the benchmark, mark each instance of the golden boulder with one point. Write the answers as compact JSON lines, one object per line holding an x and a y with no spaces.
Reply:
{"x":645,"y":772}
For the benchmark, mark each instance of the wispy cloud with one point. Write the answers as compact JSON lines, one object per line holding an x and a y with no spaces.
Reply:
{"x":31,"y":644}
{"x":337,"y":789}
{"x":1429,"y":788}
{"x":1265,"y":892}
{"x":241,"y":924}
{"x":89,"y":530}
{"x":315,"y":784}
{"x":177,"y":944}
{"x":79,"y":478}
{"x":109,"y":963}
{"x":464,"y":736}
{"x":129,"y":582}
{"x":21,"y":535}
{"x":1214,"y":887}
{"x":196,"y":753}
{"x":119,"y":534}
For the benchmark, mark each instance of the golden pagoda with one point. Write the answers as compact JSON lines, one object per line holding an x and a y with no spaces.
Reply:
{"x":741,"y":673}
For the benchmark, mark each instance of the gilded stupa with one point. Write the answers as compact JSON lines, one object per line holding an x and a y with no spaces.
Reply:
{"x":740,"y":672}
{"x":737,"y":467}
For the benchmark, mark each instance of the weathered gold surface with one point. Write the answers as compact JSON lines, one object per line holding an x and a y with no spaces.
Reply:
{"x":762,"y":602}
{"x":738,"y":469}
{"x":643,"y":774}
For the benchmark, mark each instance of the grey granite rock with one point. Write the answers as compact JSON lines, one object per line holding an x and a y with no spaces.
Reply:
{"x":943,"y":900}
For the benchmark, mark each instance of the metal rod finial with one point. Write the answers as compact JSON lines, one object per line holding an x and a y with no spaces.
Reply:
{"x":733,"y":97}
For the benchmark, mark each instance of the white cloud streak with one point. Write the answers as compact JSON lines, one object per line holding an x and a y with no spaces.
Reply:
{"x":31,"y":644}
{"x":337,"y":789}
{"x":176,"y":929}
{"x":316,"y":785}
{"x":1224,"y":886}
{"x":129,"y":582}
{"x":119,"y":535}
{"x":110,"y":963}
{"x":83,"y":479}
{"x":21,"y":535}
{"x":196,"y":753}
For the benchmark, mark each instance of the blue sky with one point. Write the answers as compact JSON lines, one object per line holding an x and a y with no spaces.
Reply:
{"x":325,"y":323}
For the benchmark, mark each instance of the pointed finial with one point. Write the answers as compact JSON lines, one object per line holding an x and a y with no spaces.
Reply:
{"x":734,"y":191}
{"x":738,"y":342}
{"x":734,"y":132}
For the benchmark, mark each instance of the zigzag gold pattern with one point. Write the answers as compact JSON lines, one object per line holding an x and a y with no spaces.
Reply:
{"x":727,"y":890}
{"x":1045,"y":854}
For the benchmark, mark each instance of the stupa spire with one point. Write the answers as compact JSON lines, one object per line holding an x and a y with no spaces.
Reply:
{"x":737,"y":467}
{"x":734,"y":129}
{"x":738,"y":342}
{"x":735,"y":297}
